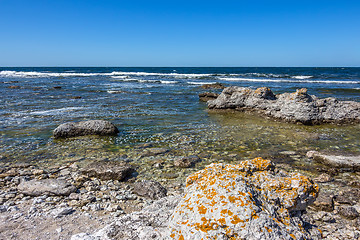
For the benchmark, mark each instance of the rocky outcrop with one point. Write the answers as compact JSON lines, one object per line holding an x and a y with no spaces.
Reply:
{"x":291,"y":107}
{"x":245,"y":201}
{"x":91,"y":127}
{"x":108,"y":170}
{"x":46,"y":187}
{"x":340,"y":161}
{"x":213,"y":86}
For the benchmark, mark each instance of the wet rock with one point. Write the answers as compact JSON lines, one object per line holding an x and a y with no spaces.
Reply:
{"x":92,"y":127}
{"x":213,"y":86}
{"x":46,"y":186}
{"x":348,"y":212}
{"x":323,"y":178}
{"x":206,"y":96}
{"x":350,"y":196}
{"x":291,"y":107}
{"x":324,"y":202}
{"x":244,"y":201}
{"x":150,"y":189}
{"x":14,"y":87}
{"x":57,"y":87}
{"x":154,"y":152}
{"x":349,"y":162}
{"x":108,"y":170}
{"x":186,"y":162}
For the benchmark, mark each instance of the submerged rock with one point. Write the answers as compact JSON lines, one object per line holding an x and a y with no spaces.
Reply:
{"x":223,"y":201}
{"x":350,"y":162}
{"x":206,"y":96}
{"x":91,"y":127}
{"x":291,"y":107}
{"x":186,"y":162}
{"x":46,"y":187}
{"x":108,"y":170}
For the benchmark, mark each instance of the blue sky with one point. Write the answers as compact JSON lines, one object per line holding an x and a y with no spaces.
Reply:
{"x":179,"y":33}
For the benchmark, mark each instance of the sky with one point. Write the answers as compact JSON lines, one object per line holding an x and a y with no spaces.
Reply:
{"x":180,"y":33}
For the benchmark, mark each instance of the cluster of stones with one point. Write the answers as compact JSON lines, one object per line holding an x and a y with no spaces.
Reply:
{"x":291,"y":107}
{"x":245,"y":201}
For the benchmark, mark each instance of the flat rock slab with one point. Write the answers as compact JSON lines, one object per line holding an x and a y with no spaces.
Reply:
{"x":150,"y":189}
{"x":92,"y":127}
{"x":108,"y":170}
{"x":56,"y":187}
{"x":297,"y":107}
{"x":340,"y":161}
{"x":245,"y":201}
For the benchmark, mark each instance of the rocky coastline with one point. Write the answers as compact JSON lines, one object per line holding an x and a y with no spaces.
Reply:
{"x":297,"y":107}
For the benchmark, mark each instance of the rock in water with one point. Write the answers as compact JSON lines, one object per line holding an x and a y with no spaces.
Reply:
{"x":108,"y":170}
{"x":339,"y":161}
{"x":46,"y":186}
{"x":92,"y":127}
{"x":290,"y":107}
{"x":245,"y":201}
{"x":206,"y":96}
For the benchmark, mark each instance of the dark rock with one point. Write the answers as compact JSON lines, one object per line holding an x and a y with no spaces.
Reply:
{"x":324,"y":202}
{"x":291,"y":107}
{"x":56,"y":187}
{"x":206,"y":96}
{"x":57,"y":87}
{"x":92,"y":127}
{"x":186,"y":162}
{"x":14,"y":87}
{"x":213,"y":86}
{"x":340,"y":161}
{"x":108,"y":170}
{"x":348,"y":212}
{"x":150,"y":189}
{"x":154,"y":152}
{"x":76,"y":97}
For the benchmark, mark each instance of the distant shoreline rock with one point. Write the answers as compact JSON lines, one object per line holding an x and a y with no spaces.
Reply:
{"x":91,"y":127}
{"x":297,"y":107}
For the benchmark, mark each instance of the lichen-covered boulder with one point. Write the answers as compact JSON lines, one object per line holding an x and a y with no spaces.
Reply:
{"x":297,"y":107}
{"x":249,"y":201}
{"x":244,"y":201}
{"x":91,"y":127}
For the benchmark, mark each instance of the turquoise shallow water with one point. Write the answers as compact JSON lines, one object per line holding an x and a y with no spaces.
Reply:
{"x":160,"y":105}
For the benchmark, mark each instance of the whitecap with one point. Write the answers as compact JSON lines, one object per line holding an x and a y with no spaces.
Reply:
{"x":200,"y":83}
{"x":55,"y":111}
{"x":301,"y":77}
{"x":289,"y":81}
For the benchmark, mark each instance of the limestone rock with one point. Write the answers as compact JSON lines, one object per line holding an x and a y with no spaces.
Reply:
{"x":108,"y":170}
{"x":186,"y":162}
{"x":291,"y":107}
{"x":244,"y":201}
{"x":91,"y":127}
{"x":46,"y":186}
{"x":351,"y":162}
{"x":150,"y":189}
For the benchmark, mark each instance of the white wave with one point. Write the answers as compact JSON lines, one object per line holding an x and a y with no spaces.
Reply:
{"x":200,"y":83}
{"x":168,"y":82}
{"x":180,"y":75}
{"x":55,"y":111}
{"x":301,"y":77}
{"x":120,"y":77}
{"x":115,"y":91}
{"x":289,"y":81}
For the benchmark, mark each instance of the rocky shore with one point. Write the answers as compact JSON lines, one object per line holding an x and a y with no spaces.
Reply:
{"x":90,"y":203}
{"x":297,"y":107}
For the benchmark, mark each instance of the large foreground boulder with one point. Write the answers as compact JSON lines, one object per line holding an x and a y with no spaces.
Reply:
{"x":91,"y":127}
{"x":245,"y":201}
{"x":291,"y":107}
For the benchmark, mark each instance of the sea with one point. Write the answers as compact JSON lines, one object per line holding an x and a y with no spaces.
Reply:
{"x":160,"y":106}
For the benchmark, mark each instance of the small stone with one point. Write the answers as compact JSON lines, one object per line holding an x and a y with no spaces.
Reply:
{"x":324,"y":202}
{"x":59,"y":212}
{"x":186,"y":162}
{"x":348,"y":212}
{"x":59,"y":230}
{"x":323,"y":178}
{"x":150,"y":189}
{"x":3,"y":208}
{"x":74,"y":196}
{"x":154,"y":152}
{"x":37,"y":172}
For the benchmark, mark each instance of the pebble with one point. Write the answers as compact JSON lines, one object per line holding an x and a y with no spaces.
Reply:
{"x":59,"y":212}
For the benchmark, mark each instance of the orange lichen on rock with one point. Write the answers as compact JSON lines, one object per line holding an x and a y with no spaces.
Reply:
{"x":236,"y":198}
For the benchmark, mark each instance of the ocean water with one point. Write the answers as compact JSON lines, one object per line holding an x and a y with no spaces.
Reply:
{"x":161,"y":106}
